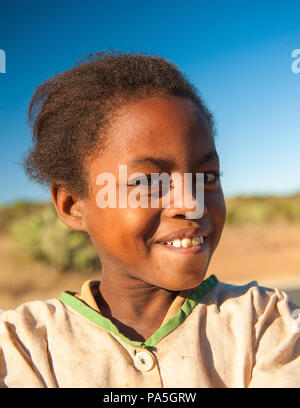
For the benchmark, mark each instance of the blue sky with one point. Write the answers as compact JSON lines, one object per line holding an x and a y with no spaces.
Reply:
{"x":237,"y":53}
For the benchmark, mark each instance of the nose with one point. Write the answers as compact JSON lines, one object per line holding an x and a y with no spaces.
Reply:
{"x":186,"y":212}
{"x":184,"y":201}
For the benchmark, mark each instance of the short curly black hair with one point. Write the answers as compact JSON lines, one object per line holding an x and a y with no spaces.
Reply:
{"x":69,"y":112}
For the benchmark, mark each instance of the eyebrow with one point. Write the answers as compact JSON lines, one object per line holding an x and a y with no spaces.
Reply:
{"x":163,"y":163}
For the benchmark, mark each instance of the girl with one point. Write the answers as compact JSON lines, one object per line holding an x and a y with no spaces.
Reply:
{"x":155,"y":319}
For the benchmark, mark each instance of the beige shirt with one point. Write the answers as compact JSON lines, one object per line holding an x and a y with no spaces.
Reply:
{"x":220,"y":336}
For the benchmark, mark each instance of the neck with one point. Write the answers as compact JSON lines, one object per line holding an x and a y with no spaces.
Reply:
{"x":135,"y":307}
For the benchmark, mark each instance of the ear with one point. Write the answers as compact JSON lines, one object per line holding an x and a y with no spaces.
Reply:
{"x":69,"y":208}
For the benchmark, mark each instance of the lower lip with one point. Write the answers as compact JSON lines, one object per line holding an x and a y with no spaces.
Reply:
{"x":181,"y":250}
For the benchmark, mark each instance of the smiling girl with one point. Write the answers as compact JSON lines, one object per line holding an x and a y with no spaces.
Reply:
{"x":154,"y":319}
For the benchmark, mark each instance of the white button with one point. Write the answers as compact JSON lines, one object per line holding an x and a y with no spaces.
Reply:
{"x":144,"y":361}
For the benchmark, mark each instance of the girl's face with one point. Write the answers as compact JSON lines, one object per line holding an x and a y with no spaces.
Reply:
{"x":175,"y":133}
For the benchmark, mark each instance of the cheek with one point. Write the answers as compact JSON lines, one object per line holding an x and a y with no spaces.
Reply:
{"x":138,"y":224}
{"x":217,"y":210}
{"x":119,"y":232}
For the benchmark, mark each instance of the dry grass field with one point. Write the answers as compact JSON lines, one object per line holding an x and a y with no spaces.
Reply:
{"x":268,"y":253}
{"x":23,"y":278}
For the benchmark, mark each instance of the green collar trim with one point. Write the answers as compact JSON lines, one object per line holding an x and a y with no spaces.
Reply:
{"x":79,"y":306}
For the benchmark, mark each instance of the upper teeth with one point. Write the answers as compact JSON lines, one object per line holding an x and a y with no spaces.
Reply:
{"x":186,"y":242}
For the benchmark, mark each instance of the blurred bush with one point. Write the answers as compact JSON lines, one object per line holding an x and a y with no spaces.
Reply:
{"x":18,"y":210}
{"x":45,"y":237}
{"x":263,"y":209}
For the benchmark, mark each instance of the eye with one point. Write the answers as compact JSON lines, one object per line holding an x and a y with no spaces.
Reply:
{"x":147,"y":181}
{"x":142,"y":181}
{"x":151,"y":184}
{"x":211,"y":177}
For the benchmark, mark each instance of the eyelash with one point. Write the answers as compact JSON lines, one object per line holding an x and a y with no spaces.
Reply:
{"x":217,"y":175}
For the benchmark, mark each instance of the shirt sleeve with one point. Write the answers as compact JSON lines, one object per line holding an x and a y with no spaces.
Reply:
{"x":277,"y":344}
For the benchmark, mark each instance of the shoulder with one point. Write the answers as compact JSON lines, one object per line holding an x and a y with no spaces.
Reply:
{"x":251,"y":296}
{"x":42,"y":308}
{"x":261,"y":321}
{"x":26,"y":338}
{"x":32,"y":318}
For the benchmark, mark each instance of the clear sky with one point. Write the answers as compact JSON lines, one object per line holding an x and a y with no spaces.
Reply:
{"x":237,"y":53}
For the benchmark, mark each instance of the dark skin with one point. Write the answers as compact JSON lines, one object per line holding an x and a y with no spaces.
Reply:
{"x":140,"y":278}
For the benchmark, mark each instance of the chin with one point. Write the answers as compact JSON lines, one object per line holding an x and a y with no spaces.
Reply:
{"x":190,"y":282}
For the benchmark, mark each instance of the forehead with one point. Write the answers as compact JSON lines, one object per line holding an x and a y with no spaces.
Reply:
{"x":169,"y":127}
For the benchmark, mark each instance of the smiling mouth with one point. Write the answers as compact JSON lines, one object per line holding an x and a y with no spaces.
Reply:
{"x":185,"y":245}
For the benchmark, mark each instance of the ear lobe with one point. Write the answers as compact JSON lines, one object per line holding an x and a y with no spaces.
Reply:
{"x":68,"y":207}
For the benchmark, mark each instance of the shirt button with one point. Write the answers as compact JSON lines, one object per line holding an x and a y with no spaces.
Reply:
{"x":144,"y":361}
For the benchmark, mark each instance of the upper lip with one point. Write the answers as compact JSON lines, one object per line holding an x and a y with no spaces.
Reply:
{"x":183,"y":233}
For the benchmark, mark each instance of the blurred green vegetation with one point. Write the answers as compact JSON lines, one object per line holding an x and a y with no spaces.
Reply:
{"x":263,"y":209}
{"x":36,"y":228}
{"x":39,"y":231}
{"x":18,"y":211}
